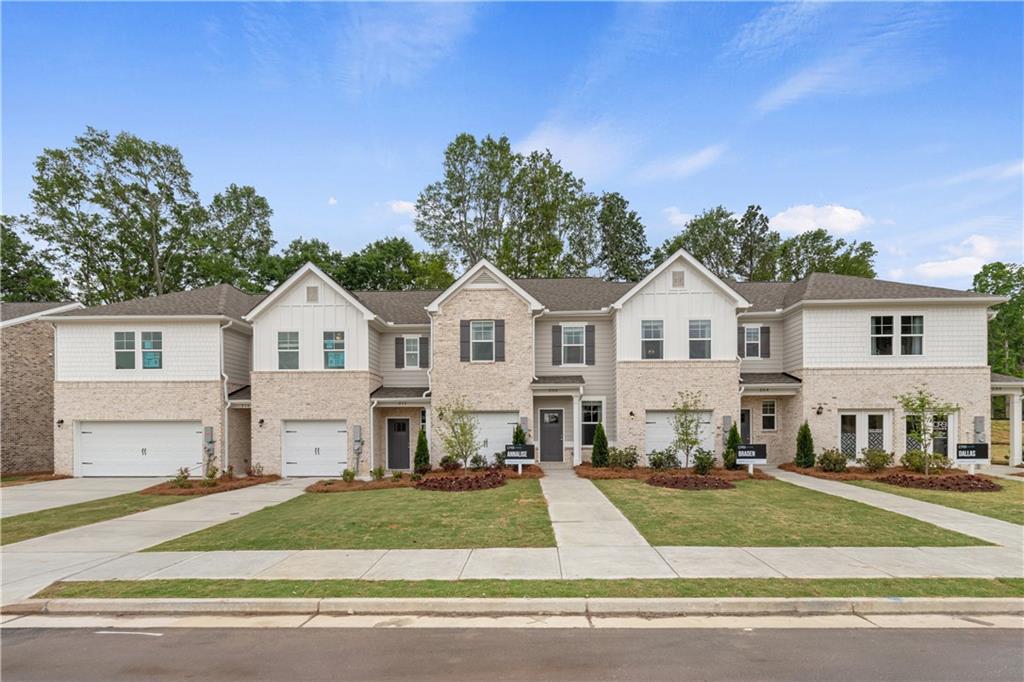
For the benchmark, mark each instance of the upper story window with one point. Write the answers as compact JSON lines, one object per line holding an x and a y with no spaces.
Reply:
{"x":124,"y":350}
{"x":590,"y":412}
{"x":752,"y":341}
{"x":334,"y":350}
{"x":481,"y":340}
{"x":768,"y":415}
{"x":287,"y":350}
{"x":313,"y":294}
{"x":412,"y":352}
{"x":152,"y":350}
{"x":912,"y":335}
{"x":652,"y":339}
{"x":881,"y":334}
{"x":572,"y":345}
{"x":700,"y":339}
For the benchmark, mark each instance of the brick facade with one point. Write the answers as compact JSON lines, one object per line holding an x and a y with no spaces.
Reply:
{"x":788,"y":416}
{"x":380,"y":433}
{"x":26,"y":398}
{"x":239,"y":439}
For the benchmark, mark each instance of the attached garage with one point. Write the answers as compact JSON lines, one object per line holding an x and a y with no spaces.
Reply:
{"x":139,"y":448}
{"x":315,"y":448}
{"x":494,"y":431}
{"x":660,"y":431}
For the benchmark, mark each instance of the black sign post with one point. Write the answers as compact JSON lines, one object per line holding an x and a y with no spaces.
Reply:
{"x":751,"y":454}
{"x":519,"y":455}
{"x":972,"y":454}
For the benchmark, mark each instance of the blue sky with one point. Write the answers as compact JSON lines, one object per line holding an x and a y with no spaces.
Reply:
{"x":901,"y":124}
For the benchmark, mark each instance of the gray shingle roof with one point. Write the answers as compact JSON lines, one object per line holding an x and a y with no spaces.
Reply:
{"x":758,"y":378}
{"x":558,"y":379}
{"x":577,"y":293}
{"x":222,"y":299}
{"x":400,"y":307}
{"x":1005,"y":379}
{"x":399,"y":392}
{"x":11,"y":311}
{"x":243,"y":393}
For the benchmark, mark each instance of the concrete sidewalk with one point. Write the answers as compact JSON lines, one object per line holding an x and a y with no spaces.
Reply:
{"x":31,"y":565}
{"x":33,"y":497}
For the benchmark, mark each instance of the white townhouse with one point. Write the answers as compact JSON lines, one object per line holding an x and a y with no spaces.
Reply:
{"x":324,"y":378}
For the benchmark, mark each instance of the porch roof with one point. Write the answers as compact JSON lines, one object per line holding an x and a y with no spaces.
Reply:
{"x":559,"y":380}
{"x":769,"y":378}
{"x":399,"y":392}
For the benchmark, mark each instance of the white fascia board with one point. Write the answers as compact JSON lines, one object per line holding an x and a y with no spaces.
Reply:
{"x":295,"y":277}
{"x":696,"y":265}
{"x":42,"y":314}
{"x":434,"y":305}
{"x":119,"y":318}
{"x":954,"y":300}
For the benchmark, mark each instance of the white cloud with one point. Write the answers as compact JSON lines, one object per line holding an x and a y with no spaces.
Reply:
{"x":592,"y":152}
{"x":402,"y":207}
{"x":776,"y":29}
{"x":683,"y":166}
{"x":834,"y":218}
{"x":993,"y":173}
{"x":331,"y":201}
{"x":968,"y":257}
{"x":675,"y":217}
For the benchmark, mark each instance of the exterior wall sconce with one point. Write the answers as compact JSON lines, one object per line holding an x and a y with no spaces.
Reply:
{"x":819,"y":411}
{"x":632,"y":414}
{"x":260,"y":422}
{"x":60,"y":423}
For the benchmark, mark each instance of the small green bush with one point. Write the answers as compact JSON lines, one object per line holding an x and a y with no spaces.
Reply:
{"x":832,"y":460}
{"x":623,"y":458}
{"x":876,"y":460}
{"x":180,"y":479}
{"x":499,"y":459}
{"x":348,"y":475}
{"x":421,"y":462}
{"x":599,"y":455}
{"x":478,"y":461}
{"x":919,"y":462}
{"x":660,"y":460}
{"x":518,"y":435}
{"x":450,"y":463}
{"x":732,"y":445}
{"x":703,"y":461}
{"x":416,"y":477}
{"x":804,"y":447}
{"x":396,"y":475}
{"x":377,"y":473}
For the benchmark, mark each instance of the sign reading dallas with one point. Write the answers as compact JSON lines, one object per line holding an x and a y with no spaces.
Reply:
{"x":752,"y":454}
{"x":972,"y":452}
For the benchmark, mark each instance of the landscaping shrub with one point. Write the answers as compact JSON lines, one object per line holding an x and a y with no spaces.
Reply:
{"x":396,"y":475}
{"x":962,"y":484}
{"x":921,"y":463}
{"x":180,"y":479}
{"x":660,"y":460}
{"x":210,"y":479}
{"x":804,"y":447}
{"x":832,"y":460}
{"x":421,"y":462}
{"x":703,"y":461}
{"x":348,"y":475}
{"x":599,"y":455}
{"x":450,"y":463}
{"x":416,"y":477}
{"x":477,"y":461}
{"x":377,"y":473}
{"x":732,"y":445}
{"x":499,"y":459}
{"x":518,"y":435}
{"x":876,"y":460}
{"x":623,"y":458}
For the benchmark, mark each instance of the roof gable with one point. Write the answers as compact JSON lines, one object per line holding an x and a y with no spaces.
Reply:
{"x":308,"y":269}
{"x":716,"y":281}
{"x":485,"y":275}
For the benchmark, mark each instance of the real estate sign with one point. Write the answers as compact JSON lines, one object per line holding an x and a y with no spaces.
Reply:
{"x":752,"y":453}
{"x":972,"y":452}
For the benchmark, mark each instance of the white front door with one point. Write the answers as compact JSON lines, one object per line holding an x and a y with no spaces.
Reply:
{"x":863,"y":430}
{"x":494,"y":431}
{"x":142,"y":448}
{"x":660,"y":430}
{"x":315,"y":448}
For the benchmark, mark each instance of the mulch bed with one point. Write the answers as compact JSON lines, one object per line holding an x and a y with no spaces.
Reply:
{"x":32,"y":478}
{"x":961,"y":484}
{"x":586,"y":470}
{"x":340,"y":486}
{"x":861,"y":474}
{"x":336,"y":485}
{"x":689,"y":482}
{"x":477,"y":480}
{"x":224,"y":484}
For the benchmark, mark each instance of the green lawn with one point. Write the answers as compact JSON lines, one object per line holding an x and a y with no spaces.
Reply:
{"x":763,"y":587}
{"x":34,"y":524}
{"x":1007,"y":504}
{"x":768,"y":514}
{"x":514,"y":515}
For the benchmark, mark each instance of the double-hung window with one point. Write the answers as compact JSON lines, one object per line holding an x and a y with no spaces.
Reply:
{"x":911,"y":334}
{"x":700,"y":339}
{"x":412,"y":351}
{"x":481,"y":340}
{"x":752,"y":342}
{"x":124,"y":350}
{"x":768,"y":415}
{"x":881,"y":334}
{"x":152,"y":350}
{"x":572,"y":345}
{"x":334,"y":350}
{"x":287,"y":350}
{"x":590,"y":411}
{"x":652,"y":339}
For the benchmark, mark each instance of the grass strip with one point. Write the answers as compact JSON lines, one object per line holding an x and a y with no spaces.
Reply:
{"x":1005,"y":505}
{"x":36,"y":524}
{"x":677,"y":587}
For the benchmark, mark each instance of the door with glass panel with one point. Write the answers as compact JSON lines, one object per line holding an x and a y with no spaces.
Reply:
{"x":864,"y":430}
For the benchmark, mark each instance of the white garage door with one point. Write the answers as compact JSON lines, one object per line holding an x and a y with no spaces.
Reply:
{"x":494,"y":431}
{"x":315,"y":448}
{"x":139,"y":448}
{"x":660,"y":431}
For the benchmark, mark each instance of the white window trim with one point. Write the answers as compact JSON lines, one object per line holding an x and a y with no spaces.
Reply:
{"x":405,"y":352}
{"x":774,"y":415}
{"x":888,"y":428}
{"x":298,"y":349}
{"x":604,"y":405}
{"x":893,"y":336}
{"x":143,"y":350}
{"x":134,"y":350}
{"x":324,"y":351}
{"x":703,"y":338}
{"x":473,"y":343}
{"x":746,"y":341}
{"x":911,"y":336}
{"x":582,"y":326}
{"x":660,"y":338}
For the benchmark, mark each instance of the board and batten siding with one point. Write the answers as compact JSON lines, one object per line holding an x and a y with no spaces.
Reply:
{"x":699,"y":299}
{"x":599,"y":378}
{"x":84,"y":351}
{"x":773,"y":363}
{"x":399,"y":376}
{"x":793,"y":342}
{"x":954,"y":336}
{"x":291,"y":313}
{"x":237,"y":356}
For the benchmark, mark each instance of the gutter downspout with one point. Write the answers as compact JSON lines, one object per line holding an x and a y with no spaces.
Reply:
{"x":373,"y":406}
{"x":227,"y":401}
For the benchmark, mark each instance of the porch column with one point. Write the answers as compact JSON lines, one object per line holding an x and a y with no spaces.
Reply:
{"x":1015,"y":428}
{"x":577,"y":431}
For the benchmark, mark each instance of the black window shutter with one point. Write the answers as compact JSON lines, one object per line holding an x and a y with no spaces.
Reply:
{"x":399,"y":352}
{"x":424,"y":352}
{"x":556,"y":344}
{"x":766,"y":342}
{"x":588,"y":344}
{"x":740,"y":339}
{"x":499,"y":340}
{"x":464,"y":340}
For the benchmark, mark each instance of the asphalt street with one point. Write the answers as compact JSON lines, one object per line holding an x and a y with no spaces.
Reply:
{"x":512,"y":654}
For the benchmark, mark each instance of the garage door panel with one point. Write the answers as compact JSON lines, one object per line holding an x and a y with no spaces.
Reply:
{"x":139,"y":448}
{"x":315,"y":448}
{"x":660,"y":430}
{"x":494,"y":431}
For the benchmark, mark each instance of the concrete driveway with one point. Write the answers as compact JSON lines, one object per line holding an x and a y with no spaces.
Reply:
{"x":32,"y":497}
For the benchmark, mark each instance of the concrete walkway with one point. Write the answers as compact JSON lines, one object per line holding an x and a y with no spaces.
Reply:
{"x":31,"y":565}
{"x":33,"y":497}
{"x":985,"y":527}
{"x":1003,"y":471}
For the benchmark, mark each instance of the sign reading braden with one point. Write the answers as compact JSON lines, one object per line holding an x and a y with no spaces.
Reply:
{"x":752,"y":454}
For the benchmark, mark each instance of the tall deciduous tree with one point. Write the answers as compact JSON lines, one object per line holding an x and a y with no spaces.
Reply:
{"x":278,"y":267}
{"x":1006,"y":329}
{"x":818,"y":251}
{"x":24,"y":275}
{"x":393,"y":264}
{"x":624,"y":251}
{"x":756,"y":244}
{"x":234,"y":235}
{"x":710,"y":237}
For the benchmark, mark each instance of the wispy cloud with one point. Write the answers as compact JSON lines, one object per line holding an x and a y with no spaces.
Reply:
{"x":590,"y":151}
{"x":997,"y":172}
{"x":402,"y":207}
{"x":966,"y":259}
{"x":332,"y":201}
{"x":832,"y":217}
{"x":683,"y":166}
{"x":776,"y":30}
{"x":675,"y":217}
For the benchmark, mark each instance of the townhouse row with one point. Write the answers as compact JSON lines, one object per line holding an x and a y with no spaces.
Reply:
{"x":312,"y":378}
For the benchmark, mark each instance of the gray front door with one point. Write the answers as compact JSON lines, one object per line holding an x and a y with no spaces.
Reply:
{"x":745,"y":426}
{"x":551,"y":436}
{"x":398,"y":444}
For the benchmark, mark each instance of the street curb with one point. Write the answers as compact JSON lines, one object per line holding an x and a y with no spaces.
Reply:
{"x":597,"y":607}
